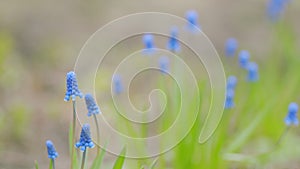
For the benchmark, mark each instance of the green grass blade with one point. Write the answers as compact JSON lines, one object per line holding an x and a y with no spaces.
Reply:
{"x":153,"y":164}
{"x":36,"y":165}
{"x":74,"y":158}
{"x":99,"y":159}
{"x":120,"y":160}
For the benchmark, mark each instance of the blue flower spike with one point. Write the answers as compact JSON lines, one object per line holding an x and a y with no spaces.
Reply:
{"x":275,"y":9}
{"x":192,"y":18}
{"x":85,"y":140}
{"x":164,"y":64}
{"x":117,"y":84}
{"x":173,"y":44}
{"x":148,"y":41}
{"x":291,"y":118}
{"x":72,"y":87}
{"x":91,"y":105}
{"x":231,"y":82}
{"x":229,"y":102}
{"x":231,"y":46}
{"x":244,"y":57}
{"x":52,"y":154}
{"x":252,"y":69}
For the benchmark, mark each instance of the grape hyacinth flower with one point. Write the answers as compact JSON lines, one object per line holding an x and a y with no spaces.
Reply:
{"x":252,"y":72}
{"x":244,"y":57}
{"x":291,"y":118}
{"x":229,"y":102}
{"x":72,"y":87}
{"x":164,"y":64}
{"x":173,"y":43}
{"x":231,"y":82}
{"x":91,"y":105}
{"x":148,"y":41}
{"x":275,"y":8}
{"x":52,"y":154}
{"x":85,"y":140}
{"x":117,"y":82}
{"x":192,"y":18}
{"x":231,"y":47}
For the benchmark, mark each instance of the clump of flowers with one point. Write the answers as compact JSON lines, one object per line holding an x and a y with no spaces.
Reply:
{"x":72,"y":89}
{"x":91,"y":105}
{"x":173,"y":44}
{"x":291,"y":118}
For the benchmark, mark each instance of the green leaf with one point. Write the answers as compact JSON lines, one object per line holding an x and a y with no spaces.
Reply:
{"x":36,"y":165}
{"x":120,"y":160}
{"x":98,"y":160}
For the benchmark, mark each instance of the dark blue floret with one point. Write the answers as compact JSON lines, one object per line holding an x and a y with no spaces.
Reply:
{"x":291,"y":118}
{"x":244,"y":57}
{"x":85,"y":140}
{"x":231,"y":47}
{"x":52,"y":154}
{"x":91,"y":105}
{"x":173,"y":43}
{"x":72,"y":87}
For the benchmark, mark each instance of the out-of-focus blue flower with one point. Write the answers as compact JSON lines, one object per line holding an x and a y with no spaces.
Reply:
{"x":275,"y":8}
{"x":244,"y":57}
{"x":173,"y":43}
{"x":164,"y":63}
{"x":231,"y":46}
{"x":91,"y":105}
{"x":72,"y":87}
{"x":231,"y":82}
{"x":117,"y":84}
{"x":252,"y":69}
{"x":192,"y":18}
{"x":85,"y":138}
{"x":291,"y":118}
{"x":148,"y":41}
{"x":52,"y":154}
{"x":229,"y":101}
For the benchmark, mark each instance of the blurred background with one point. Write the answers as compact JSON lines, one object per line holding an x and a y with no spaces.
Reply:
{"x":40,"y":40}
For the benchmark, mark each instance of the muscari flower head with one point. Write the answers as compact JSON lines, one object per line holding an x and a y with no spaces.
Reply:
{"x":85,"y":138}
{"x":231,"y":46}
{"x":164,"y":64}
{"x":231,"y":82}
{"x":275,"y":8}
{"x":252,"y":69}
{"x":229,"y":101}
{"x":148,"y":41}
{"x":72,"y":87}
{"x":244,"y":57}
{"x":173,"y":44}
{"x":192,"y":18}
{"x":91,"y":105}
{"x":52,"y":154}
{"x":291,"y":118}
{"x":117,"y":84}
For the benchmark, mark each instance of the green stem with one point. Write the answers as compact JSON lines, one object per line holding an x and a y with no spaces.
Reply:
{"x":98,"y":132}
{"x":83,"y":159}
{"x":282,"y":135}
{"x":53,"y":164}
{"x":73,"y":133}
